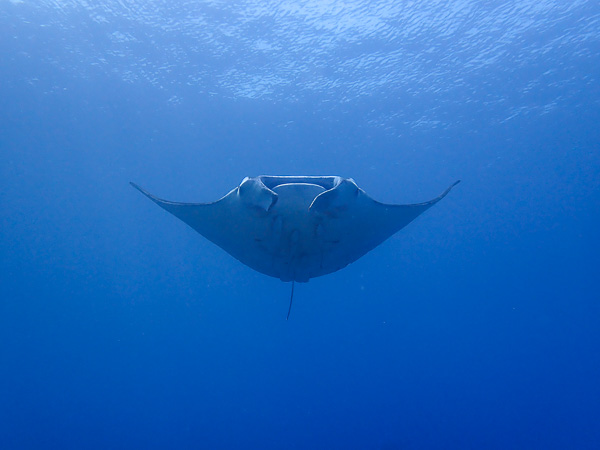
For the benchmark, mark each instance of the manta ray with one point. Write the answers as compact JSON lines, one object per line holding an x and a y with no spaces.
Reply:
{"x":296,"y":227}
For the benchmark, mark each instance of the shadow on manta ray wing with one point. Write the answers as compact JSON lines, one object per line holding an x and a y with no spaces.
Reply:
{"x":296,"y":227}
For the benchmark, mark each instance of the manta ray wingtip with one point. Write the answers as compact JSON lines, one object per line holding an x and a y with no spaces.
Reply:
{"x":443,"y":194}
{"x":138,"y":187}
{"x":146,"y":193}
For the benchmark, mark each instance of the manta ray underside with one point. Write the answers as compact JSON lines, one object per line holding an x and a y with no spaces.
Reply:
{"x":296,"y":227}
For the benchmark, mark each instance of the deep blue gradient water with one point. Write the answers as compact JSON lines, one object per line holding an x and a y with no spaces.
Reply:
{"x":477,"y":326}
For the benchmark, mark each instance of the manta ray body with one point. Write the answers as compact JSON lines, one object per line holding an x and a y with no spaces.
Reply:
{"x":296,"y":227}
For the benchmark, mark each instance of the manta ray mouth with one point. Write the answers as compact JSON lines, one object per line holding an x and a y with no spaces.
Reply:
{"x":326,"y":182}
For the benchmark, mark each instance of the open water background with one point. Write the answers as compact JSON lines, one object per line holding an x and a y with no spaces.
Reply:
{"x":477,"y":326}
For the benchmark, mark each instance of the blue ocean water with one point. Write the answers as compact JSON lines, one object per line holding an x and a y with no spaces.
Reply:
{"x":477,"y":326}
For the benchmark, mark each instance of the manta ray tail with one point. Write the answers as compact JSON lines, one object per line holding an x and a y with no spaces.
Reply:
{"x":291,"y":298}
